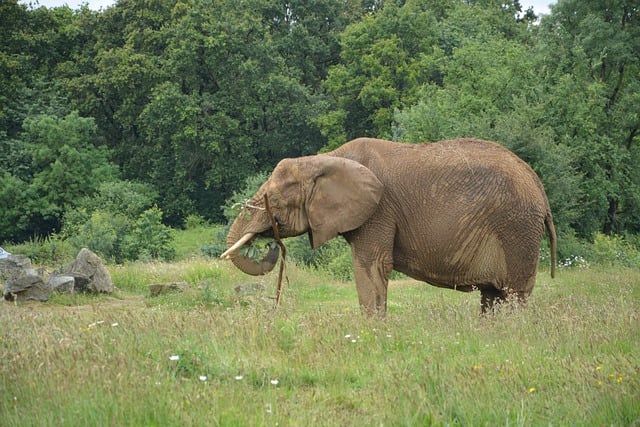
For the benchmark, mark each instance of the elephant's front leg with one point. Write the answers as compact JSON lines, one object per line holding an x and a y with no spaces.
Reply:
{"x":372,"y":273}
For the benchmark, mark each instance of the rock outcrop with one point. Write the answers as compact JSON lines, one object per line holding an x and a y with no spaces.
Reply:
{"x":23,"y":282}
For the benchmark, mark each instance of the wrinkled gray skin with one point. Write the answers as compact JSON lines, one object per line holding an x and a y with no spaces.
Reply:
{"x":462,"y":214}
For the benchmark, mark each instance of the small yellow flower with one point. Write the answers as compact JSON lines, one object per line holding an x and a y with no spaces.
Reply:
{"x":532,"y":390}
{"x":598,"y":368}
{"x":619,"y":379}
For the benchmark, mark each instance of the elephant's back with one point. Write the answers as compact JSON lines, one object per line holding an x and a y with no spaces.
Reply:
{"x":467,"y":171}
{"x":471,"y":170}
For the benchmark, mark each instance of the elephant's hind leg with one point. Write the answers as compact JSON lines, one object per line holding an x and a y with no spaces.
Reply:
{"x":492,"y":298}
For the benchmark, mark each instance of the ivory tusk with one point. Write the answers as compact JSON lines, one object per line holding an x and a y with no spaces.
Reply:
{"x":237,"y":245}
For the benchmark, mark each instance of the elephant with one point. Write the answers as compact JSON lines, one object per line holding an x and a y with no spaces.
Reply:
{"x":465,"y":214}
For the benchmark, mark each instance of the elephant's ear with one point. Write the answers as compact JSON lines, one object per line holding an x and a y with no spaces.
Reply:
{"x":343,"y":197}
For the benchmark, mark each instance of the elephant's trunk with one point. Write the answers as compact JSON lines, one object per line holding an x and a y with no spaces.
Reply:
{"x":245,"y":263}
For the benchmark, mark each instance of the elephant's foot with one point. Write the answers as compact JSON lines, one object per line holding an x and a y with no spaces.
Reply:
{"x":493,"y":298}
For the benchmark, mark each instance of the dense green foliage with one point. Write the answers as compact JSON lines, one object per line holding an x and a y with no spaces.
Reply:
{"x":192,"y":97}
{"x":120,"y":222}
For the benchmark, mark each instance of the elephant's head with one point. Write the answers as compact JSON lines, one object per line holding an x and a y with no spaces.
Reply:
{"x":322,"y":195}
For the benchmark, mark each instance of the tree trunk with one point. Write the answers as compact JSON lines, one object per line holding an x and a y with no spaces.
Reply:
{"x":611,"y":223}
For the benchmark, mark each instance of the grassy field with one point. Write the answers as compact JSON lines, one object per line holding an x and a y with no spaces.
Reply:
{"x":210,"y":357}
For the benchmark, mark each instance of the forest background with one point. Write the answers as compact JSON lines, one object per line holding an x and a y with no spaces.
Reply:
{"x":120,"y":123}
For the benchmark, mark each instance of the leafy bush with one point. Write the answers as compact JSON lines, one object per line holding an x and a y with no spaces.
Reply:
{"x":118,"y":198}
{"x":603,"y":251}
{"x":218,"y":245}
{"x":120,"y":223}
{"x":614,"y":250}
{"x":194,"y":221}
{"x":124,"y":197}
{"x":50,"y":250}
{"x":119,"y":238}
{"x":334,"y":256}
{"x":570,"y":247}
{"x":105,"y":234}
{"x":151,"y":238}
{"x":53,"y":164}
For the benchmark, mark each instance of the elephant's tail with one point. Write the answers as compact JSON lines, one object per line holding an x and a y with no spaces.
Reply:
{"x":551,"y":229}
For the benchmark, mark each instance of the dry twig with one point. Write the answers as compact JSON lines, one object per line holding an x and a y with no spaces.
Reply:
{"x":283,"y":250}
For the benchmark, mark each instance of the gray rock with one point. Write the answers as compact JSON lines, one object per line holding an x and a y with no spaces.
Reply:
{"x":162,"y":288}
{"x":85,"y":274}
{"x":23,"y":281}
{"x":13,"y":265}
{"x":80,"y":282}
{"x":89,"y":273}
{"x":248,"y":289}
{"x":27,"y":285}
{"x":64,"y":284}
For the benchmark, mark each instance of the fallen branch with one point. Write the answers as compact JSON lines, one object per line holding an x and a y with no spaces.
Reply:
{"x":283,"y":250}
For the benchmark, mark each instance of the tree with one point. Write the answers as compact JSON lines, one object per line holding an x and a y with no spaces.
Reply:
{"x":390,"y":56}
{"x":592,"y":65}
{"x":490,"y":90}
{"x":33,"y":44}
{"x":194,"y":96}
{"x":48,"y":169}
{"x":379,"y":72}
{"x":232,"y":107}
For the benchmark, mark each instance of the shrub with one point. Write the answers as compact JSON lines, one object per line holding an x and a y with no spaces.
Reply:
{"x":51,"y":250}
{"x":573,"y":252}
{"x":151,"y":238}
{"x":334,"y":256}
{"x":194,"y":221}
{"x":603,"y":251}
{"x":124,"y":197}
{"x":119,"y":238}
{"x":614,"y":250}
{"x":219,"y":240}
{"x":120,"y":223}
{"x":105,"y":234}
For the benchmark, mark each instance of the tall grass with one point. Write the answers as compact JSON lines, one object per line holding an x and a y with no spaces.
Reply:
{"x":209,"y":357}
